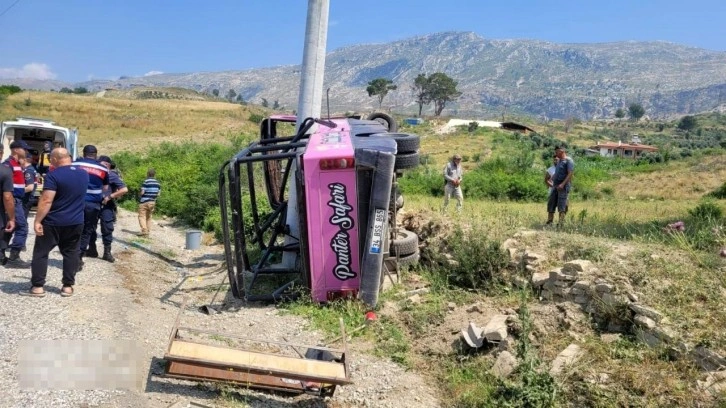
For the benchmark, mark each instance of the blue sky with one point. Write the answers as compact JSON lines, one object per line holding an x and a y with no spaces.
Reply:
{"x":75,"y":40}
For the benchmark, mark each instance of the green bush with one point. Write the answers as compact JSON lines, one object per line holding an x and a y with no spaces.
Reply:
{"x":706,"y":211}
{"x":719,"y":193}
{"x":255,"y":118}
{"x":189,"y":177}
{"x":9,"y":89}
{"x":479,"y":260}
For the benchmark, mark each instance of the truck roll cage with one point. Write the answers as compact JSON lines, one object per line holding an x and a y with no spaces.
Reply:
{"x":272,"y":225}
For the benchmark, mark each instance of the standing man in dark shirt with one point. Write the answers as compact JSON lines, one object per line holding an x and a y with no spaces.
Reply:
{"x":97,"y":181}
{"x":561,"y":183}
{"x":117,"y":188}
{"x":17,"y":152}
{"x":7,"y":215}
{"x":59,"y":221}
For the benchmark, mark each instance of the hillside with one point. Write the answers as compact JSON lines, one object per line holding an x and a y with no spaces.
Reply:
{"x":532,"y":77}
{"x":133,"y":119}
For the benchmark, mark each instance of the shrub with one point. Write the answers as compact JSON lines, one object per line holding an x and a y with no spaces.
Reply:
{"x":706,"y":211}
{"x":719,"y":193}
{"x":479,"y":260}
{"x":255,"y":118}
{"x":9,"y":89}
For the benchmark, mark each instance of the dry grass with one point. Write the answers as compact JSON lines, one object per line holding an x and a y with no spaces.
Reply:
{"x":115,"y":123}
{"x":684,"y":180}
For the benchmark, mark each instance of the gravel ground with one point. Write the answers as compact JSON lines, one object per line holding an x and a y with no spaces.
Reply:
{"x":138,"y":299}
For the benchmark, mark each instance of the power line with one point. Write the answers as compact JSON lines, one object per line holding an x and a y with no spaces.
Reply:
{"x":8,"y":9}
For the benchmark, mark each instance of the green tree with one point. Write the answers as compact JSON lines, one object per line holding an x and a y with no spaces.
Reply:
{"x":620,"y":113}
{"x":636,"y":111}
{"x":380,"y":87}
{"x":231,"y":94}
{"x":65,"y":89}
{"x":240,"y":99}
{"x":420,"y":90}
{"x":215,"y":92}
{"x":442,"y":89}
{"x":276,"y":105}
{"x":687,"y":123}
{"x":265,"y":104}
{"x":9,"y":89}
{"x":80,"y":90}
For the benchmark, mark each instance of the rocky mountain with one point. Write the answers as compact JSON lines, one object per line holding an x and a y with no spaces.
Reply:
{"x":517,"y":76}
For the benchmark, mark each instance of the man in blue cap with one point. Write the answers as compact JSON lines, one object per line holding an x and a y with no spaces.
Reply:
{"x":18,"y":150}
{"x":97,"y":181}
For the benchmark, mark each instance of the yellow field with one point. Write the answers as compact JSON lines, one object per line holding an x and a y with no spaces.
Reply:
{"x":115,"y":124}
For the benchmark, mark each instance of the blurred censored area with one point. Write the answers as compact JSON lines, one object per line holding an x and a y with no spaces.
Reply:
{"x":79,"y":365}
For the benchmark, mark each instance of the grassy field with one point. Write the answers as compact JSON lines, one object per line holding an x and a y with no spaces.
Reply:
{"x":617,"y":217}
{"x":118,"y":122}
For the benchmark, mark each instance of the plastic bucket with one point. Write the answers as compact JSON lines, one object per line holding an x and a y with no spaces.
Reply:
{"x":194,"y":239}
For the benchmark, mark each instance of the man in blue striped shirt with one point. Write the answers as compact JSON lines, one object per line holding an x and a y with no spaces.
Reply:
{"x":97,"y":182}
{"x":150,"y":190}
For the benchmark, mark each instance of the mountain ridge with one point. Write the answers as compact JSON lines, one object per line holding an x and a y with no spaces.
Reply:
{"x":532,"y":77}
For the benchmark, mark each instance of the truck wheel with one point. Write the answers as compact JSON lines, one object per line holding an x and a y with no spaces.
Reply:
{"x":406,"y":243}
{"x":406,"y":161}
{"x":409,"y":259}
{"x":405,"y":142}
{"x":385,"y":120}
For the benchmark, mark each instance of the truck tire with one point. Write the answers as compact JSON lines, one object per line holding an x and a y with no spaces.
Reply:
{"x":409,"y":259}
{"x":406,"y":243}
{"x":405,"y":142}
{"x":385,"y":120}
{"x":406,"y":161}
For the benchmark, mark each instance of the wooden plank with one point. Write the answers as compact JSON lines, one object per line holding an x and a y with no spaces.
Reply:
{"x":200,"y":373}
{"x":257,"y":361}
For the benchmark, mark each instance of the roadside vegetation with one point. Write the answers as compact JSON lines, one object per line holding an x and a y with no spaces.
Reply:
{"x":618,"y":219}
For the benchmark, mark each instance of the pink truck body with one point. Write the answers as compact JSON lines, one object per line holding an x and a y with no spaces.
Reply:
{"x":331,"y":209}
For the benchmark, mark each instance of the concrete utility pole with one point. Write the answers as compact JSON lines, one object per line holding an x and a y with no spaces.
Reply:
{"x":313,"y":65}
{"x":310,"y":99}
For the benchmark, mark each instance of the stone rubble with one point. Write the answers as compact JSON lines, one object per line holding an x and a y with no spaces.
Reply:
{"x":612,"y":303}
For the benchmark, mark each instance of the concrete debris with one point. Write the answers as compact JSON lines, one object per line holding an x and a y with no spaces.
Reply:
{"x":451,"y":306}
{"x":472,"y":335}
{"x":505,"y":365}
{"x":496,"y":329}
{"x":566,"y":358}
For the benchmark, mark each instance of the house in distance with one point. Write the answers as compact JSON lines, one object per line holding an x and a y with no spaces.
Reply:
{"x":631,"y":150}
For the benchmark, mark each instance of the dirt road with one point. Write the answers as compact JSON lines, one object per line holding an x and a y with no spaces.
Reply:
{"x":137,"y":298}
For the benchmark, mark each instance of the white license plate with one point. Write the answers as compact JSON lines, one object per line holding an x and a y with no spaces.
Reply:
{"x":377,"y":239}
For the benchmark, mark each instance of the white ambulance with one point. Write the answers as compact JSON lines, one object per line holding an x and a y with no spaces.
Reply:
{"x":39,"y":134}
